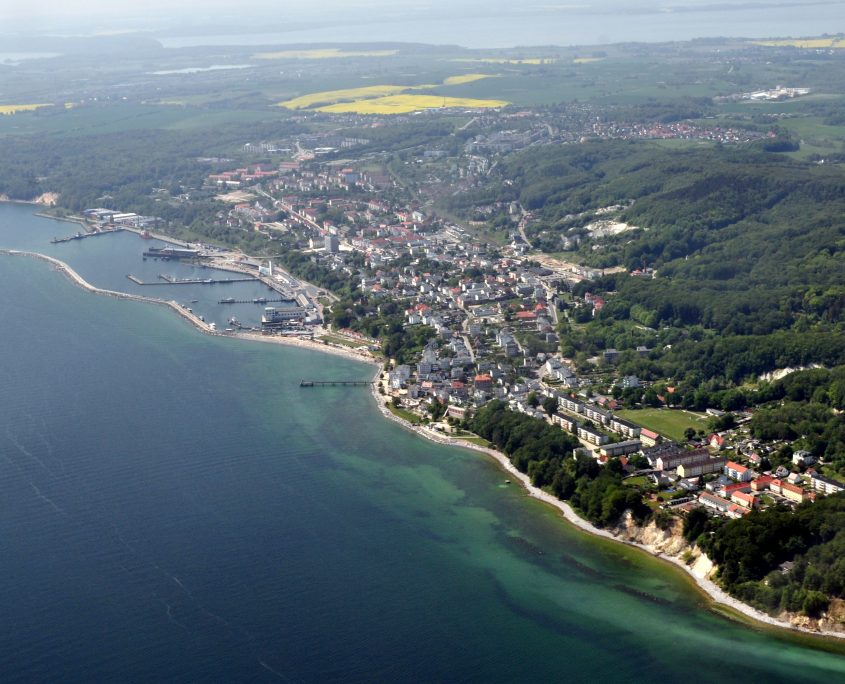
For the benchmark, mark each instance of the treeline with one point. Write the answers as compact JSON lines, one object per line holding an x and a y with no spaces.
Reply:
{"x":751,"y":551}
{"x":544,"y":452}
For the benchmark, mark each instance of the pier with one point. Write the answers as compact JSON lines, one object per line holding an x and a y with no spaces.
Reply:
{"x":259,"y":300}
{"x":172,"y":280}
{"x":335,"y":383}
{"x":82,"y":236}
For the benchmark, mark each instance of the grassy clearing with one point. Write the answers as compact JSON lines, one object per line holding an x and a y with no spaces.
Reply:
{"x":343,"y":341}
{"x":328,"y":53}
{"x":412,"y":418}
{"x":474,"y":439}
{"x":8,"y":110}
{"x":670,"y":423}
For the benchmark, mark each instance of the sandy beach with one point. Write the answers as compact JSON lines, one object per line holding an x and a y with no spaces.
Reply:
{"x":715,"y":593}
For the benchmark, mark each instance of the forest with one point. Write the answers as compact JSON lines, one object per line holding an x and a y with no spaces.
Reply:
{"x":747,"y":246}
{"x":544,"y":452}
{"x":751,"y":553}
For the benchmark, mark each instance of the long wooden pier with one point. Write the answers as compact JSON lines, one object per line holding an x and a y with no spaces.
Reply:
{"x":333,"y":383}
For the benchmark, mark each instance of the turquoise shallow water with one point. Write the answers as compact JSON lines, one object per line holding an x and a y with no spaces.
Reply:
{"x":173,"y":507}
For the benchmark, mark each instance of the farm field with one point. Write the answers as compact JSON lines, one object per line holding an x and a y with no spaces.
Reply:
{"x":404,"y":104}
{"x":392,"y":99}
{"x":8,"y":110}
{"x":670,"y":423}
{"x":811,"y":43}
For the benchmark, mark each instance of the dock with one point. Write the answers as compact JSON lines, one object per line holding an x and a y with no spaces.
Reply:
{"x":335,"y":383}
{"x":82,"y":236}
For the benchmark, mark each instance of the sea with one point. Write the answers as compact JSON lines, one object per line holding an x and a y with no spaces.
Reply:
{"x":174,"y":507}
{"x":548,"y":25}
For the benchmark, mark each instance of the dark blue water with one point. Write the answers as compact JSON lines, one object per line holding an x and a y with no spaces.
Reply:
{"x":174,"y":507}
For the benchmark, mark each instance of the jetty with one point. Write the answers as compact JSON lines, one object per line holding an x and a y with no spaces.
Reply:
{"x":258,"y":300}
{"x":173,"y":280}
{"x":82,"y":236}
{"x":335,"y":383}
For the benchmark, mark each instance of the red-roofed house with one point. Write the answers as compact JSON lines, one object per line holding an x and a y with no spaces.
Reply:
{"x":744,"y":500}
{"x":483,"y":382}
{"x":761,"y":483}
{"x":735,"y":471}
{"x":716,"y":441}
{"x":649,"y":438}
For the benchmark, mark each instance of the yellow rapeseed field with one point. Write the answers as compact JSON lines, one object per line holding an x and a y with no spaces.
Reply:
{"x":330,"y":96}
{"x":328,"y":53}
{"x":465,"y":78}
{"x":404,"y":104}
{"x":388,"y":99}
{"x":586,"y":60}
{"x":14,"y":109}
{"x":812,"y":43}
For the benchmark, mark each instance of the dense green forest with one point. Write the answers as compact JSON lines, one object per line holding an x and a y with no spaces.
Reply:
{"x":751,"y":550}
{"x":748,"y":246}
{"x":544,"y":452}
{"x":744,"y":241}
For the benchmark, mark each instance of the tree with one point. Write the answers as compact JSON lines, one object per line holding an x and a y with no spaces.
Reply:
{"x":689,"y":433}
{"x":550,"y":405}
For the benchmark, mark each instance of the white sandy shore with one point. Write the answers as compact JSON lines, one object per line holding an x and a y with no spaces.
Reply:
{"x":716,"y":593}
{"x":710,"y":588}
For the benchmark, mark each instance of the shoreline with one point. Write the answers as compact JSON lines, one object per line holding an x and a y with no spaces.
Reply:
{"x":715,"y":594}
{"x":202,"y":326}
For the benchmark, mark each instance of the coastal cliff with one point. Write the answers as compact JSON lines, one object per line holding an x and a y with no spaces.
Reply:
{"x":666,"y":541}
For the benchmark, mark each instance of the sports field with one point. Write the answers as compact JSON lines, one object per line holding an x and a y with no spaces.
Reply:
{"x":670,"y":423}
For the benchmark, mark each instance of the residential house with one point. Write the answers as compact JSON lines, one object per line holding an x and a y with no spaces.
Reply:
{"x":825,"y":485}
{"x":592,"y":436}
{"x":735,"y":471}
{"x":620,"y":448}
{"x":623,"y":427}
{"x":702,"y":466}
{"x":788,"y":491}
{"x":649,"y":438}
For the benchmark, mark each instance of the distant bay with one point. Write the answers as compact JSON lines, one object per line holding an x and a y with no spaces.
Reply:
{"x":174,"y":507}
{"x":563,"y":26}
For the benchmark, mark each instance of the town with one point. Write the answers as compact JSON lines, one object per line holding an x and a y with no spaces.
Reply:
{"x":474,"y":321}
